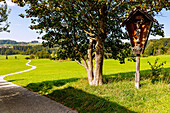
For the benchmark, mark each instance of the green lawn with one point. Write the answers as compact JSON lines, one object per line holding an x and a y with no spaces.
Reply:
{"x":11,"y":64}
{"x":66,"y":83}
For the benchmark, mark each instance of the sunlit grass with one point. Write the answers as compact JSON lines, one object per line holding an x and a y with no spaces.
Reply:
{"x":66,"y":82}
{"x":11,"y":64}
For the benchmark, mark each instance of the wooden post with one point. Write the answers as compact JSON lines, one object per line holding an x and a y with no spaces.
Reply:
{"x":137,"y":74}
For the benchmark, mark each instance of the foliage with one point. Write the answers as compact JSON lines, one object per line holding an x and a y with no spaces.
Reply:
{"x":4,"y":12}
{"x":156,"y":70}
{"x":42,"y":54}
{"x":158,"y":46}
{"x":32,"y":56}
{"x":22,"y":48}
{"x":53,"y":55}
{"x":8,"y":51}
{"x":26,"y":50}
{"x":15,"y":42}
{"x":8,"y":42}
{"x":6,"y":57}
{"x":27,"y":58}
{"x":80,"y":28}
{"x":34,"y":42}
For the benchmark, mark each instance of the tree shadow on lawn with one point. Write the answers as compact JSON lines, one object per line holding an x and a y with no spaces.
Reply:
{"x":124,"y":76}
{"x":84,"y":102}
{"x":15,"y":80}
{"x":77,"y":99}
{"x":81,"y":100}
{"x":130,"y":76}
{"x":45,"y":86}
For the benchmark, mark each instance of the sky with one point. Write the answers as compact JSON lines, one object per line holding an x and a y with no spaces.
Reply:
{"x":19,"y":27}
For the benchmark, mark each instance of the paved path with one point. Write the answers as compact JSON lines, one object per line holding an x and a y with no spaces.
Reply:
{"x":16,"y":99}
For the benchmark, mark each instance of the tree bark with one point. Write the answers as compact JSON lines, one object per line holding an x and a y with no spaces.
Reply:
{"x":98,"y":72}
{"x":90,"y":62}
{"x":100,"y":40}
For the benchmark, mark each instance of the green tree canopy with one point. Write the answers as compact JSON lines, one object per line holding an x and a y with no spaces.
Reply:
{"x":158,"y":46}
{"x":4,"y":12}
{"x":87,"y":28}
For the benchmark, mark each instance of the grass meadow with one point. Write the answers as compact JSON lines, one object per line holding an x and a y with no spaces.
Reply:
{"x":66,"y":82}
{"x":11,"y":64}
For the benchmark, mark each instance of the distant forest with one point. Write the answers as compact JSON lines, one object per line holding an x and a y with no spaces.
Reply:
{"x":2,"y":42}
{"x":10,"y":47}
{"x":158,"y":47}
{"x":154,"y":47}
{"x":37,"y":50}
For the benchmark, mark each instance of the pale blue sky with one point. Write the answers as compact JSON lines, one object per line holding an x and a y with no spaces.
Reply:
{"x":20,"y":31}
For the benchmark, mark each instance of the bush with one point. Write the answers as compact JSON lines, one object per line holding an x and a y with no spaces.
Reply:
{"x":32,"y":56}
{"x":27,"y":58}
{"x":52,"y":58}
{"x":156,"y":72}
{"x":144,"y":55}
{"x":132,"y":59}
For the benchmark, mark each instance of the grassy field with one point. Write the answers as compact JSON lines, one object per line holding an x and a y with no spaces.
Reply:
{"x":11,"y":64}
{"x":66,"y":83}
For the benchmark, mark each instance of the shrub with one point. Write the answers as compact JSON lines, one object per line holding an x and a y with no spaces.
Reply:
{"x":6,"y":57}
{"x":156,"y":72}
{"x":32,"y":56}
{"x":144,"y":55}
{"x":52,"y":58}
{"x":27,"y":58}
{"x":131,"y":59}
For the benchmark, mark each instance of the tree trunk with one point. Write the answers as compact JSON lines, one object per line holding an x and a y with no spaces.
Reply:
{"x":98,"y":72}
{"x":100,"y":40}
{"x":90,"y":62}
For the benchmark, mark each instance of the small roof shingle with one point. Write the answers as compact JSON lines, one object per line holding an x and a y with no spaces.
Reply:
{"x":138,"y":9}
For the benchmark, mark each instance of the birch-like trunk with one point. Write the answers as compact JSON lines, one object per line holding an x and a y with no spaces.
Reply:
{"x":98,"y":72}
{"x":90,"y":62}
{"x":100,"y":40}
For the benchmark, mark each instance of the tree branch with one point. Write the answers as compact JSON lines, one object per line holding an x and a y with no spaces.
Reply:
{"x":92,"y":38}
{"x":87,"y":14}
{"x":83,"y":59}
{"x":89,"y":33}
{"x":122,"y":2}
{"x":90,"y":28}
{"x":79,"y":63}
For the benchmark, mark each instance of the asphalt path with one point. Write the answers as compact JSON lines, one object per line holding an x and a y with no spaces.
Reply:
{"x":16,"y":99}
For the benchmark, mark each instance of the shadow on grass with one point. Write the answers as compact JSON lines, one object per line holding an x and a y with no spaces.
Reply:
{"x":77,"y":99}
{"x":47,"y":85}
{"x":15,"y":80}
{"x":82,"y":101}
{"x":144,"y":74}
{"x":124,"y":76}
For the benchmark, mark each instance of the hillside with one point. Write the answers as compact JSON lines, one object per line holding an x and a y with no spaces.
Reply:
{"x":158,"y":46}
{"x":2,"y":42}
{"x":9,"y":47}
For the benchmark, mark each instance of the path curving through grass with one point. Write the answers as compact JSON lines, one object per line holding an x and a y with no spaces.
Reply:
{"x":4,"y":83}
{"x":21,"y":100}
